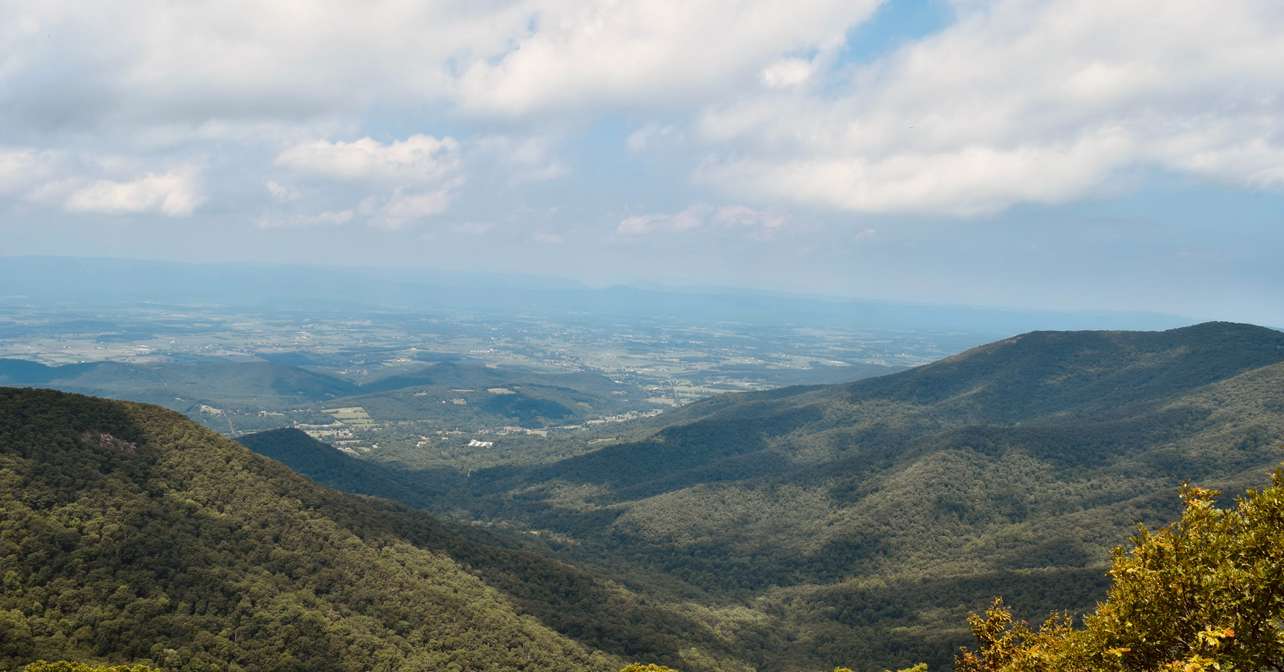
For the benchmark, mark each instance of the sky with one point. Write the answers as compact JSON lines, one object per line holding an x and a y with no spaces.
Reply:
{"x":1067,"y":154}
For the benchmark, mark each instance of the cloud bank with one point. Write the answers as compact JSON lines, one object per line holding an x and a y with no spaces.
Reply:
{"x":396,"y":112}
{"x":1021,"y":102}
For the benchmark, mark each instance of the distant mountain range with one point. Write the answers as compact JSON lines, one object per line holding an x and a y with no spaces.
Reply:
{"x":84,"y":281}
{"x":263,"y":384}
{"x":860,"y":522}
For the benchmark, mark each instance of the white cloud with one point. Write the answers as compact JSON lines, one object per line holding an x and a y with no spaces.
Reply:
{"x":417,"y":159}
{"x":651,"y":135}
{"x":21,"y":167}
{"x":176,"y":77}
{"x":397,"y":183}
{"x":739,"y":216}
{"x":240,"y":62}
{"x":236,"y":61}
{"x":391,"y":212}
{"x":1021,"y":101}
{"x":648,"y":53}
{"x":407,"y":208}
{"x":403,"y":182}
{"x":787,"y":73}
{"x":969,"y":180}
{"x":1041,"y":101}
{"x":686,"y":220}
{"x":306,"y":220}
{"x":757,"y":222}
{"x":473,"y":228}
{"x":98,"y":184}
{"x":527,"y":159}
{"x":174,"y":194}
{"x":281,"y":193}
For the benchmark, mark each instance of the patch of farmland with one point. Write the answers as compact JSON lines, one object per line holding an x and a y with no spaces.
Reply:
{"x":352,"y":416}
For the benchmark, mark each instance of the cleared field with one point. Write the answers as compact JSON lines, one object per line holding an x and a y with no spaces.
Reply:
{"x":353,"y":416}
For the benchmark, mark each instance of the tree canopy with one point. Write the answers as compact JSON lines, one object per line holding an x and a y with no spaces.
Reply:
{"x":1205,"y":593}
{"x":70,"y":666}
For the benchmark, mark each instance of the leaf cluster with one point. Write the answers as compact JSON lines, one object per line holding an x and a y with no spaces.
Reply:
{"x":1205,"y":593}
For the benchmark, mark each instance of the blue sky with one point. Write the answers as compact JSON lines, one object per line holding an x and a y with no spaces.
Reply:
{"x":1053,"y":154}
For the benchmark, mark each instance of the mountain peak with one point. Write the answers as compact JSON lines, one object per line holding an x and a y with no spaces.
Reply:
{"x":1066,"y":371}
{"x":1227,"y":329}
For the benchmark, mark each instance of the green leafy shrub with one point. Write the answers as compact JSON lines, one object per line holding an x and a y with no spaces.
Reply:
{"x":1205,"y":593}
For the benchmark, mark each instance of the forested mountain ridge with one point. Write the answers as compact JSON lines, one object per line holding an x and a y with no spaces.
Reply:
{"x":132,"y":534}
{"x":1050,"y":372}
{"x":263,"y":383}
{"x":1046,"y":407}
{"x":862,"y":521}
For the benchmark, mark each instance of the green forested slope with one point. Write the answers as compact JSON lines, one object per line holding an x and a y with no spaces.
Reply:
{"x":131,"y":534}
{"x":323,"y":464}
{"x":861,"y":522}
{"x":577,"y":603}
